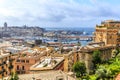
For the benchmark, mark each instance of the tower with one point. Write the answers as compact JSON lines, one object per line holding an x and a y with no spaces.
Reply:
{"x":108,"y":32}
{"x":5,"y":26}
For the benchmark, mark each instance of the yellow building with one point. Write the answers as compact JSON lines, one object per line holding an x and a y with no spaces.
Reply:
{"x":69,"y":61}
{"x":6,"y":64}
{"x":108,"y":32}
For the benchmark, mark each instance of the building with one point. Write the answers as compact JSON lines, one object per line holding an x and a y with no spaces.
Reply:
{"x":8,"y":31}
{"x":16,"y":49}
{"x":24,"y":60}
{"x":5,"y":26}
{"x":69,"y":59}
{"x":45,"y":75}
{"x":84,"y":54}
{"x":6,"y":64}
{"x":109,"y":32}
{"x":48,"y":63}
{"x":4,"y":44}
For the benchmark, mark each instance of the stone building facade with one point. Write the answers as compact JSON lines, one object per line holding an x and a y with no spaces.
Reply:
{"x":108,"y":32}
{"x":84,"y":54}
{"x":69,"y":61}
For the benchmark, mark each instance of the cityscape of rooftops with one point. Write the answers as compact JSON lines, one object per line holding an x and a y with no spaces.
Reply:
{"x":59,"y":40}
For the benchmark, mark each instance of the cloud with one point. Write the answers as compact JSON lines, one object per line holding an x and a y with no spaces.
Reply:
{"x":56,"y":13}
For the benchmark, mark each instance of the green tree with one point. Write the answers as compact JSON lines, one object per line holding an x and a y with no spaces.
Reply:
{"x":118,"y":56}
{"x":101,"y":73}
{"x":118,"y":50}
{"x":14,"y":76}
{"x":79,"y":68}
{"x":96,"y":58}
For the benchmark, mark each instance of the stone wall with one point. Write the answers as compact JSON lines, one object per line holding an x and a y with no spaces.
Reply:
{"x":86,"y":56}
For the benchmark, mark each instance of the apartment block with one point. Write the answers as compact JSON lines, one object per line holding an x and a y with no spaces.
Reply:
{"x":6,"y":64}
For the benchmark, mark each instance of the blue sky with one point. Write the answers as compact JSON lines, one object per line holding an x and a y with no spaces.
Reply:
{"x":58,"y":13}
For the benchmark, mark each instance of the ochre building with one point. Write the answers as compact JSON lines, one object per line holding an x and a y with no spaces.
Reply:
{"x":6,"y":64}
{"x":109,"y":32}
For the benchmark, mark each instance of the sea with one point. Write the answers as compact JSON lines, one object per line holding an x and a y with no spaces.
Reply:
{"x":87,"y":31}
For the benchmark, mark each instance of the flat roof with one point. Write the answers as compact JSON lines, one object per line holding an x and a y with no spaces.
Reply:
{"x":47,"y":63}
{"x":4,"y":55}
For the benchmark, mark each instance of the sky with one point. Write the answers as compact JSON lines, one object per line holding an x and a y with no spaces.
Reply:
{"x":58,"y":13}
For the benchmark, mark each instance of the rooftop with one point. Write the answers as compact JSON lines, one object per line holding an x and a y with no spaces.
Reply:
{"x":108,"y":24}
{"x":35,"y":51}
{"x":3,"y":54}
{"x":47,"y":63}
{"x":94,"y":46}
{"x":46,"y":75}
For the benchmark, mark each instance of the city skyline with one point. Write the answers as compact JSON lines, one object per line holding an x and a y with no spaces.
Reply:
{"x":58,"y":13}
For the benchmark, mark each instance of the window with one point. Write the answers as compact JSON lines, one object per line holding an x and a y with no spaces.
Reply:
{"x":4,"y":62}
{"x":18,"y":60}
{"x":2,"y":67}
{"x":23,"y":68}
{"x":27,"y":61}
{"x":110,"y":37}
{"x":17,"y":67}
{"x":23,"y":61}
